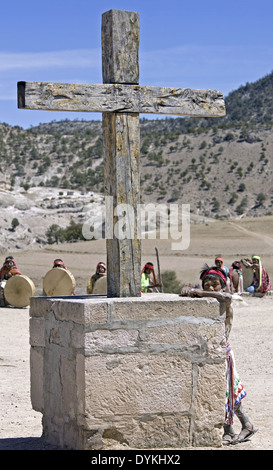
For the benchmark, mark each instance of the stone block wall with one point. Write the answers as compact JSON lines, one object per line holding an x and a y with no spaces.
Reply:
{"x":141,"y":373}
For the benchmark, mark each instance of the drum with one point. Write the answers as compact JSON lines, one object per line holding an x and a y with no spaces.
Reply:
{"x":100,"y":286}
{"x":58,"y":281}
{"x":18,"y":290}
{"x":247,"y":277}
{"x":2,"y":297}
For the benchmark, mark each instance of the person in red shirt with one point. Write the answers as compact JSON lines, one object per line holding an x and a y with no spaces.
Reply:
{"x":8,"y":269}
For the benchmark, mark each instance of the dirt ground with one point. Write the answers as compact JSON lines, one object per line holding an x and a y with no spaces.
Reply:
{"x":251,"y":336}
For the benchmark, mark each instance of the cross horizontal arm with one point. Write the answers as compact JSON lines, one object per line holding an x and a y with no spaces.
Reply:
{"x":120,"y":98}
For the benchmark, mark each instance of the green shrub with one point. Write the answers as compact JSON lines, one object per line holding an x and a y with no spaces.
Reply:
{"x":72,"y":233}
{"x":171,"y":285}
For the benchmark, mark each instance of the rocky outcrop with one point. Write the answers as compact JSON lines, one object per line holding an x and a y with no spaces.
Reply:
{"x":36,"y":210}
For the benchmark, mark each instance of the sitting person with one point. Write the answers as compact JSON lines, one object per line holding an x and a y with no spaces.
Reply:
{"x":8,"y":269}
{"x":58,"y":263}
{"x":219,"y":262}
{"x":100,"y":272}
{"x":148,"y":285}
{"x":260,"y":282}
{"x":214,"y":282}
{"x":236,"y":278}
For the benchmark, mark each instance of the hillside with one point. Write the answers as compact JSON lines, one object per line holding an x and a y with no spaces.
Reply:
{"x":221,"y":166}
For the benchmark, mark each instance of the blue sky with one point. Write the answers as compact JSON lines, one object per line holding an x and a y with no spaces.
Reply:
{"x":183,"y":43}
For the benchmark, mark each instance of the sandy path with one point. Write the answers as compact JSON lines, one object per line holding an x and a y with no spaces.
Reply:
{"x":251,"y":339}
{"x":20,"y":425}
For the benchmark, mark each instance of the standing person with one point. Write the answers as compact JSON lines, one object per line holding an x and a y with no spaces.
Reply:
{"x":100,"y":272}
{"x":148,"y":285}
{"x":236,"y":278}
{"x":260,"y":282}
{"x":213,"y":283}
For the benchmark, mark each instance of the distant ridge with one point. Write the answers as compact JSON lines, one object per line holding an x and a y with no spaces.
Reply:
{"x":221,"y":166}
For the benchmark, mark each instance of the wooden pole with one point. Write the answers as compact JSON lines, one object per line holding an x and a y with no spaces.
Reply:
{"x":120,"y":99}
{"x":121,"y":143}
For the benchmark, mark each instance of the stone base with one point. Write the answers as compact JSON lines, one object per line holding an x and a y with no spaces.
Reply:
{"x":140,"y":373}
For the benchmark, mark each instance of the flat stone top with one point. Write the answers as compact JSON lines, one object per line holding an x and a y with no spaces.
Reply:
{"x":151,"y":297}
{"x":101,"y":309}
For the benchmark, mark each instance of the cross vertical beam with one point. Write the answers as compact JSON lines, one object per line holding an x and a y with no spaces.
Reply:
{"x":121,"y":99}
{"x":121,"y":144}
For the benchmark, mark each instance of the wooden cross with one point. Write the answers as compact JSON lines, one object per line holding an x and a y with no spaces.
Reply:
{"x":120,"y":99}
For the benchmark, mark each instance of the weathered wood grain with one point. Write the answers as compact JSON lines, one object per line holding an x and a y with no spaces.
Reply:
{"x":121,"y":143}
{"x":121,"y":147}
{"x":120,"y":44}
{"x":120,"y":98}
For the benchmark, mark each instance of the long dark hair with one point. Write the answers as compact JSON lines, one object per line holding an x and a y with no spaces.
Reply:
{"x":213,"y":272}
